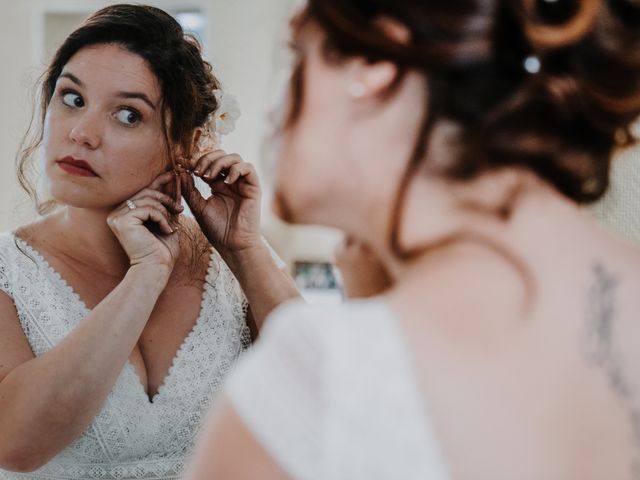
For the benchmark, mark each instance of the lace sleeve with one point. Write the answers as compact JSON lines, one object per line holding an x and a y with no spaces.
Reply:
{"x":277,"y":389}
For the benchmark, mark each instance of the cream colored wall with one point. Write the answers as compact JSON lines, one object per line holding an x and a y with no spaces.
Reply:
{"x":620,"y":207}
{"x":17,"y":75}
{"x":245,"y":41}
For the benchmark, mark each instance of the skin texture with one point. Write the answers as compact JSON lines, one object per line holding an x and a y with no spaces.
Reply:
{"x":521,"y":333}
{"x":363,"y":274}
{"x":139,"y":284}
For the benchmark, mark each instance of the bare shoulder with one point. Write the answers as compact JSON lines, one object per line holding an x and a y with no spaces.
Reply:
{"x":619,"y":261}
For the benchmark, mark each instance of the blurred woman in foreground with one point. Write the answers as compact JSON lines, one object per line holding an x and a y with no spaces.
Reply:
{"x":458,"y":139}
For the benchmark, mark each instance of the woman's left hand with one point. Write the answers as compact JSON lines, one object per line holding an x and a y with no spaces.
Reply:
{"x":230,"y":217}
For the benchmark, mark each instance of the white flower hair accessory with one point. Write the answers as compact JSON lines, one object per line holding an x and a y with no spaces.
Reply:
{"x":220,"y":122}
{"x":227,"y":113}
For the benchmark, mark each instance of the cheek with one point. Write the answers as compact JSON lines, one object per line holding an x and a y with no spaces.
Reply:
{"x":54,"y":131}
{"x":138,"y":157}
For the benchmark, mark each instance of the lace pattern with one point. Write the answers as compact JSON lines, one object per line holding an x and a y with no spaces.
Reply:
{"x":131,"y":437}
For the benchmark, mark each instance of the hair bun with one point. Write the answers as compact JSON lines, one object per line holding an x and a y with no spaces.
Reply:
{"x":550,"y":24}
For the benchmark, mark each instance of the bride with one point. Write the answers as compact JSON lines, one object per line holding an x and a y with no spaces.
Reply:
{"x":119,"y":317}
{"x":458,"y":139}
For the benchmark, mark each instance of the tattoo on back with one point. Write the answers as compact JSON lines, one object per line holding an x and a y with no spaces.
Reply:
{"x":601,"y":352}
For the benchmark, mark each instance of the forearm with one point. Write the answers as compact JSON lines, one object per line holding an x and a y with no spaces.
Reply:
{"x":263,"y":282}
{"x":49,"y":401}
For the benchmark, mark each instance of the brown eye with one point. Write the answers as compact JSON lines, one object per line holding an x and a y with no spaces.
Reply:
{"x":128,"y":116}
{"x":72,"y":100}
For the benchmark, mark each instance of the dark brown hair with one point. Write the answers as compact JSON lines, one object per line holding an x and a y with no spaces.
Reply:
{"x":187,"y":81}
{"x":561,"y":118}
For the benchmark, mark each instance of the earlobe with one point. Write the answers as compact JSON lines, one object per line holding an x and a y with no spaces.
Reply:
{"x":372,"y":79}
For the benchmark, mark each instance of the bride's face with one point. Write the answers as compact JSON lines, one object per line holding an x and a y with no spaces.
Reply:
{"x":342,"y":156}
{"x":315,"y":166}
{"x":103,"y":138}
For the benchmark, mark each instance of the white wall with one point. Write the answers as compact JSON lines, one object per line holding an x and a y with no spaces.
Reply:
{"x":246,"y":43}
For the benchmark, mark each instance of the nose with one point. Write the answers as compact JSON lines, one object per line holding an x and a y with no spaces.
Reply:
{"x":88,"y":130}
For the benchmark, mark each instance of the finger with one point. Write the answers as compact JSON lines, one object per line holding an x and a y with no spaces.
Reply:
{"x":205,"y":161}
{"x":143,"y":214}
{"x":160,"y":197}
{"x":162,"y":180}
{"x":191,"y":194}
{"x":145,"y":202}
{"x":243,"y":169}
{"x":158,"y":217}
{"x":223,"y":164}
{"x":178,"y":190}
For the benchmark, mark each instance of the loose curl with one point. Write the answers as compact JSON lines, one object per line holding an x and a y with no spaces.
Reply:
{"x":562,"y":123}
{"x":187,"y":81}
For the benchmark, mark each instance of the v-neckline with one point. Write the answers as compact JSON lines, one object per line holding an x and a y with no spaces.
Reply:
{"x":150,"y":400}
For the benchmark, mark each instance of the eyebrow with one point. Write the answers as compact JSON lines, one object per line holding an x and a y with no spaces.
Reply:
{"x":138,"y":95}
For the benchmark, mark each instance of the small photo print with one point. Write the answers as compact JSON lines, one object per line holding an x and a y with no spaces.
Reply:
{"x":315,"y":276}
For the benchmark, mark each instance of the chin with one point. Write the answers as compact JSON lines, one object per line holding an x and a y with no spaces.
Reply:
{"x":281,"y":208}
{"x":306,"y":211}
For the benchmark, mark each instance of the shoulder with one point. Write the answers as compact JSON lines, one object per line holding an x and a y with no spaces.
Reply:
{"x":302,"y":343}
{"x":11,"y":247}
{"x":304,"y":390}
{"x":7,"y":241}
{"x":298,"y":320}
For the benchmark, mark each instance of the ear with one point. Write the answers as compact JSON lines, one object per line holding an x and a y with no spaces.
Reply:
{"x":374,"y":79}
{"x":178,"y":152}
{"x":371,"y":80}
{"x":197,"y":133}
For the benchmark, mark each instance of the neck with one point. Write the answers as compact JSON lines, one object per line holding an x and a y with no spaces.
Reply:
{"x":483,"y":245}
{"x":84,"y":236}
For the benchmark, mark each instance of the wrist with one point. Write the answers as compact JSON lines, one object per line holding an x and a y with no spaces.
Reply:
{"x":152,"y":273}
{"x":247,"y":257}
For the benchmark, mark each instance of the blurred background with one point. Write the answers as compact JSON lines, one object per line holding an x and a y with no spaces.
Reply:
{"x":246,"y":42}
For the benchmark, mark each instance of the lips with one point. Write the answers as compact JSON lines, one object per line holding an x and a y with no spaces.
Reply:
{"x":76,"y":167}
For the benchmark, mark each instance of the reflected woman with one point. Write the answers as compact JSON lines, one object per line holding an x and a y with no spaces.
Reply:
{"x":119,"y":317}
{"x":462,"y":135}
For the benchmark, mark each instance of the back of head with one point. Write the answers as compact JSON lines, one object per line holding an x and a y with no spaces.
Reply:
{"x":546,"y":85}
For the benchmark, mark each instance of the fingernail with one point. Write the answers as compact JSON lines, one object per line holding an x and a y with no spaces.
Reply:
{"x":197,"y":172}
{"x":227,"y":181}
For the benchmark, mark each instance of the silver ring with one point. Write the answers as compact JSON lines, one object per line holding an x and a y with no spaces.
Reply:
{"x":130,"y":204}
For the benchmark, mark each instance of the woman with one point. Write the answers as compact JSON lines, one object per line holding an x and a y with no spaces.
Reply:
{"x":463,"y":135}
{"x":118,"y":319}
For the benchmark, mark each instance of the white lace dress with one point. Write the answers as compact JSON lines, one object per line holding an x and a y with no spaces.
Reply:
{"x":131,"y":437}
{"x":330,"y":393}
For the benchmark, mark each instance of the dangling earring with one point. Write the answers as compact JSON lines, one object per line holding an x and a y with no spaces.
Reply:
{"x":357,"y":89}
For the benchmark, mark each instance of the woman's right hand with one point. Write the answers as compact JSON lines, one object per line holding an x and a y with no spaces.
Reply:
{"x":147,"y":232}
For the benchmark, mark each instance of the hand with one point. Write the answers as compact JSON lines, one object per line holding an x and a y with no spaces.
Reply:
{"x":230,"y":216}
{"x":362,"y":272}
{"x":147,"y":232}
